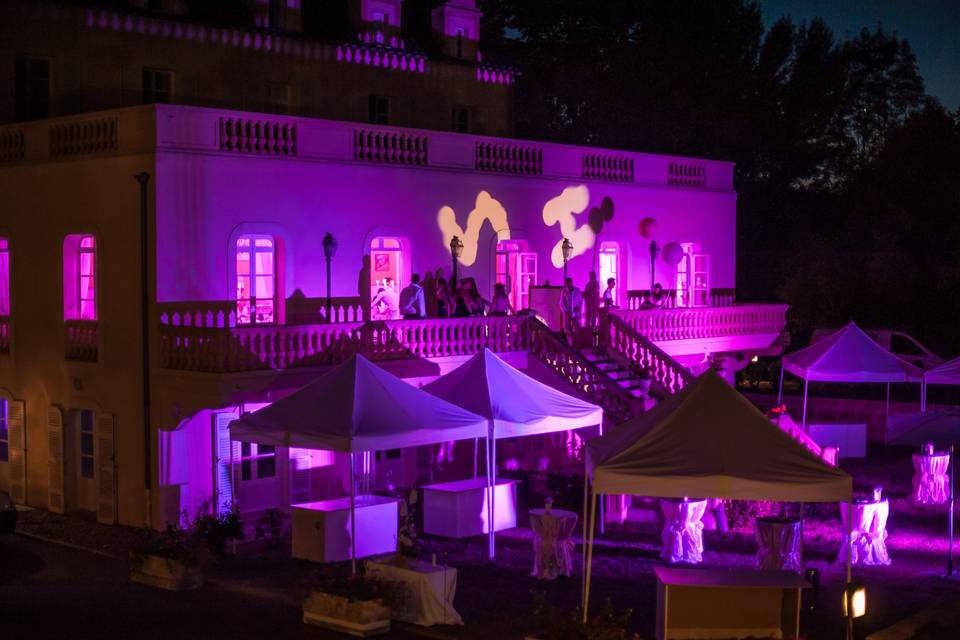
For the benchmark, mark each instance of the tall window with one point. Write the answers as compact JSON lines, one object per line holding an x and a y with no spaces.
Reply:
{"x":461,"y":119}
{"x":257,"y":461}
{"x":86,"y":444}
{"x":379,"y":110}
{"x":4,"y":432}
{"x":32,"y":88}
{"x":4,"y":277}
{"x":517,"y":271}
{"x":386,"y":275}
{"x":693,"y":277}
{"x":256,"y":291}
{"x":157,"y":86}
{"x":80,"y":277}
{"x":609,"y":256}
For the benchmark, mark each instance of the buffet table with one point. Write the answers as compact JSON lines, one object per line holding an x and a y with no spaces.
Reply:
{"x":727,"y":603}
{"x":321,"y":530}
{"x":428,"y":589}
{"x":459,"y":509}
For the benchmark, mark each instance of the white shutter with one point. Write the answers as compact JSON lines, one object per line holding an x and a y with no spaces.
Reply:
{"x":106,"y":463}
{"x":55,"y":498}
{"x":17,"y":436}
{"x":226,"y":455}
{"x":301,"y":461}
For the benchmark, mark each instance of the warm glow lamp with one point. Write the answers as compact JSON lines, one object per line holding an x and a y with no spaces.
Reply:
{"x":854,"y":604}
{"x":567,"y":250}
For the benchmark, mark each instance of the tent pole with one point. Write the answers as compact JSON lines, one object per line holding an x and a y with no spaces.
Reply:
{"x":603,"y":503}
{"x":806,"y":386}
{"x":491,"y":489}
{"x":953,"y":473}
{"x":923,"y":396}
{"x":353,"y":509}
{"x":583,"y":544}
{"x":887,"y":406}
{"x":586,"y":591}
{"x":780,"y":388}
{"x":849,"y":542}
{"x":476,"y":455}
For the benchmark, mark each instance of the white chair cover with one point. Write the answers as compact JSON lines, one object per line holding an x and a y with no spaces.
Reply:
{"x":682,"y":530}
{"x":552,"y":542}
{"x":779,"y":541}
{"x":931,"y":484}
{"x":869,"y":534}
{"x":429,"y":590}
{"x":617,"y":507}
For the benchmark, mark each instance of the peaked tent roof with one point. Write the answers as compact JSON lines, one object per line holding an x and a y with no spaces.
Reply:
{"x":947,"y":373}
{"x":850,"y":355}
{"x":709,"y":441}
{"x":358,"y":407}
{"x":518,"y":404}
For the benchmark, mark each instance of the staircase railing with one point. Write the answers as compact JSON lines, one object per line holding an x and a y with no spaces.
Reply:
{"x":626,"y":341}
{"x":585,"y":378}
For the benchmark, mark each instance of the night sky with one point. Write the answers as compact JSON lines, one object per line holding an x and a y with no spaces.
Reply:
{"x":931,"y":26}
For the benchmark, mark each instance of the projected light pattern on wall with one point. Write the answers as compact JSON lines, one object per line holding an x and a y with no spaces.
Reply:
{"x":487,"y":208}
{"x":561,"y":210}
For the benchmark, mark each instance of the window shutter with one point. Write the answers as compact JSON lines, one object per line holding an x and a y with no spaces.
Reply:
{"x":301,"y":461}
{"x":17,"y":435}
{"x":225,"y":454}
{"x":55,"y":460}
{"x":106,"y":461}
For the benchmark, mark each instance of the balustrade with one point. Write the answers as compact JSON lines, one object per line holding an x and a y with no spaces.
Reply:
{"x":638,"y":349}
{"x":692,"y":323}
{"x":4,"y":334}
{"x":82,"y":339}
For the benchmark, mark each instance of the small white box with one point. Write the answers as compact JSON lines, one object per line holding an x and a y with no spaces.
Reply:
{"x":459,"y":509}
{"x":320,"y":531}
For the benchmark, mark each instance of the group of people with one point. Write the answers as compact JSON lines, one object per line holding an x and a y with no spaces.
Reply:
{"x":450,"y":300}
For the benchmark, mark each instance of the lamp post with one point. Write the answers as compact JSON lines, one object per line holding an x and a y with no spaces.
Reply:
{"x":654,"y":252}
{"x":329,"y":250}
{"x":456,"y":250}
{"x":567,"y":249}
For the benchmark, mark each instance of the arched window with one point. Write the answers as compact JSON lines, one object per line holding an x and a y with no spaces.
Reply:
{"x":80,"y":277}
{"x":4,"y":277}
{"x":609,"y":256}
{"x":386,"y":277}
{"x":256,"y":279}
{"x":516,"y":270}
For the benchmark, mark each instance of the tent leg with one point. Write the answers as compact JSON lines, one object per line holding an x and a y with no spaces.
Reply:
{"x":476,"y":455}
{"x":583,"y":544}
{"x":780,"y":388}
{"x":953,"y":489}
{"x":849,"y":542}
{"x":493,"y":497}
{"x":586,"y":590}
{"x":806,"y":388}
{"x":353,"y":509}
{"x":923,"y":397}
{"x":886,"y":407}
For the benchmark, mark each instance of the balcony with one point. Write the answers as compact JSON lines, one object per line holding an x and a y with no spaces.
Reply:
{"x":4,"y":334}
{"x":82,"y":340}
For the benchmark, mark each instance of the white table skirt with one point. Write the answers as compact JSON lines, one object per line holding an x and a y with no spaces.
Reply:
{"x":552,"y":542}
{"x":682,"y":530}
{"x":779,"y":541}
{"x":869,"y":533}
{"x":429,"y":590}
{"x":931,"y":484}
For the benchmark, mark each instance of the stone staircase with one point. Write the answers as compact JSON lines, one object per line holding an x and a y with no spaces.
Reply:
{"x":630,"y":377}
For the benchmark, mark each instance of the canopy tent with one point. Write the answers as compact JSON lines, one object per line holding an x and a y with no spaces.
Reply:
{"x":847,"y":355}
{"x":353,"y":408}
{"x":513,"y":404}
{"x":947,"y":373}
{"x":707,"y":441}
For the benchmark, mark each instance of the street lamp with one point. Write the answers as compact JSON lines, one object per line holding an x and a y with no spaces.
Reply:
{"x":654,"y":252}
{"x":567,"y":250}
{"x":329,"y":250}
{"x":456,"y":250}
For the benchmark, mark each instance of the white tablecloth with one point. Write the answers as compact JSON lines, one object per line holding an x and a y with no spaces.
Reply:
{"x":682,"y":530}
{"x":931,"y":484}
{"x":869,"y":534}
{"x":779,"y":541}
{"x":552,"y":542}
{"x":429,"y":590}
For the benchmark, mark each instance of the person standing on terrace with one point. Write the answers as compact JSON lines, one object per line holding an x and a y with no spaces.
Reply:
{"x":656,"y":300}
{"x":591,"y":299}
{"x":500,"y":305}
{"x":609,"y":294}
{"x":571,"y":302}
{"x":412,"y":304}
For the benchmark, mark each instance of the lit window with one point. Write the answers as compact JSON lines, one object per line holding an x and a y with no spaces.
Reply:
{"x":257,"y":461}
{"x":693,"y":277}
{"x":80,"y":277}
{"x":4,"y":432}
{"x":157,"y":86}
{"x":86,"y":444}
{"x":516,"y":271}
{"x":87,"y":272}
{"x":256,"y":298}
{"x":387,"y":274}
{"x":4,"y":277}
{"x":609,"y":267}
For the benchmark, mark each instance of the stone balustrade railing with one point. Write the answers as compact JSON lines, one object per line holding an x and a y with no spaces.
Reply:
{"x":225,"y":348}
{"x":82,"y":338}
{"x":661,"y":325}
{"x":634,"y":347}
{"x":4,"y":334}
{"x":718,"y":298}
{"x":586,"y":380}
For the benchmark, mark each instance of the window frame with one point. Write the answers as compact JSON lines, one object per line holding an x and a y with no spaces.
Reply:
{"x":4,"y":430}
{"x":92,"y":252}
{"x":6,"y":298}
{"x":148,"y":93}
{"x":86,"y":432}
{"x":252,"y":457}
{"x":253,"y":249}
{"x":273,"y":106}
{"x":24,"y":99}
{"x":379,"y":109}
{"x":460,"y":118}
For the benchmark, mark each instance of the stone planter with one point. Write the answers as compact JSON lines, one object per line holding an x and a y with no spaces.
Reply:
{"x":165,"y":573}
{"x":353,"y":617}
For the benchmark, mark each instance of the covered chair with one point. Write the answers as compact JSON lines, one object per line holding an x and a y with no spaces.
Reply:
{"x":707,"y":441}
{"x":357,"y":407}
{"x":513,"y":404}
{"x":847,"y":355}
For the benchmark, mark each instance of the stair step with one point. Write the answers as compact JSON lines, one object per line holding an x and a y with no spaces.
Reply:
{"x":592,"y":355}
{"x":637,"y":392}
{"x":628,"y":383}
{"x":606,"y":365}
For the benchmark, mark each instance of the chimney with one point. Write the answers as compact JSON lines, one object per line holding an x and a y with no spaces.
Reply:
{"x":376,"y":21}
{"x":456,"y":29}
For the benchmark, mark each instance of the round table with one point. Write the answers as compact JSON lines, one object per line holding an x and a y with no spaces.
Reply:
{"x":931,"y":484}
{"x":868,"y":537}
{"x":552,"y":542}
{"x":780,"y":541}
{"x":682,"y":530}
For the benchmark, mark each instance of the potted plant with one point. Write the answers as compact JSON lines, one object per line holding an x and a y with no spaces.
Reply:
{"x":8,"y":514}
{"x":170,"y":559}
{"x":355,"y":605}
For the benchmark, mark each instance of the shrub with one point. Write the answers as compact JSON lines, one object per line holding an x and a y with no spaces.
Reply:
{"x":214,"y":529}
{"x":272,"y":528}
{"x":567,"y":624}
{"x":173,"y":543}
{"x":742,"y":513}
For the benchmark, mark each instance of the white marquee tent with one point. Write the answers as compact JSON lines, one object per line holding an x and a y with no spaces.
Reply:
{"x":358,"y":407}
{"x":513,"y":404}
{"x":708,"y":441}
{"x":847,"y":355}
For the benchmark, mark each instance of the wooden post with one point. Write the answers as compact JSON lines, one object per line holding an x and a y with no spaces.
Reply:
{"x":586,"y":591}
